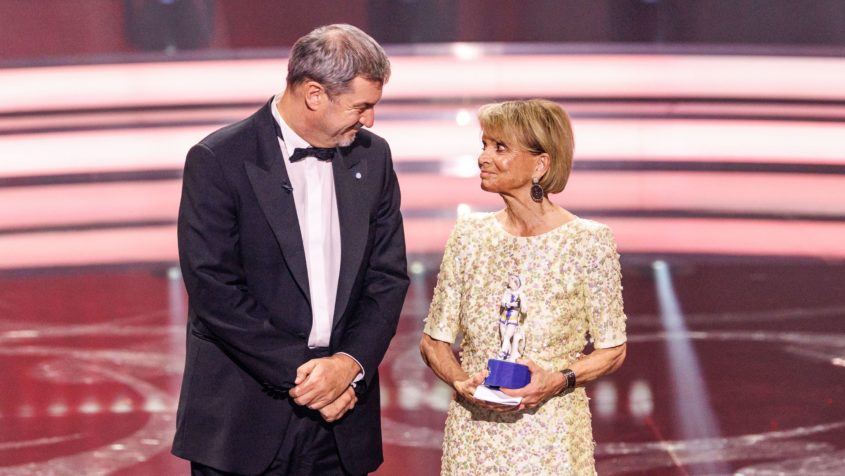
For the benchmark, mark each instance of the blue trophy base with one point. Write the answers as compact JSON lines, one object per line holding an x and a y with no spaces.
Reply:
{"x":506,"y":374}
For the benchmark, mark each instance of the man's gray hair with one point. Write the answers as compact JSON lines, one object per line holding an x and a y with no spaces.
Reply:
{"x":334,"y":55}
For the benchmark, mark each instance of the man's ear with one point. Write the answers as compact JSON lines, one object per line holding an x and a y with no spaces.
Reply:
{"x":315,"y":95}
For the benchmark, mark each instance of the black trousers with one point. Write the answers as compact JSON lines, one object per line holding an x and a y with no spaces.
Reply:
{"x":308,"y":449}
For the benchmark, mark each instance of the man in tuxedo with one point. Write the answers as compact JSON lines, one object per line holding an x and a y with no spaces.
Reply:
{"x":293,"y":254}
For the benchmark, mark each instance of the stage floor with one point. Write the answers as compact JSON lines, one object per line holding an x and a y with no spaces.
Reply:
{"x":738,"y":367}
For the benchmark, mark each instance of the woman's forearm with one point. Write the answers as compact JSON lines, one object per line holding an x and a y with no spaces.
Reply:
{"x":439,"y":357}
{"x":598,"y":363}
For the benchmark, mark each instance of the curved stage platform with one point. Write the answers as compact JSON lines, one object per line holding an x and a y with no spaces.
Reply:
{"x":722,"y":175}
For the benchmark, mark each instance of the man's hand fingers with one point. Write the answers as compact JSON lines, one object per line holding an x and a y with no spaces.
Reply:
{"x":312,"y":399}
{"x":336,"y":409}
{"x":302,"y":398}
{"x":304,"y":370}
{"x":310,"y":394}
{"x":319,"y":382}
{"x":308,"y":377}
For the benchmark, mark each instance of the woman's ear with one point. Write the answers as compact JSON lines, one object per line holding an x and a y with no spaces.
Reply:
{"x":315,"y":95}
{"x":543,"y":164}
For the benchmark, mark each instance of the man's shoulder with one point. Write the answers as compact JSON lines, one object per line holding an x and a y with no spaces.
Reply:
{"x":231,"y":136}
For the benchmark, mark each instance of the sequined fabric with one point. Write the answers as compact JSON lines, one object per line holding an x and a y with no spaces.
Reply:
{"x":572,"y":286}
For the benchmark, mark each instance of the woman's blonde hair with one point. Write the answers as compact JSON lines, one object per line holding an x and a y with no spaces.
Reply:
{"x":536,"y":126}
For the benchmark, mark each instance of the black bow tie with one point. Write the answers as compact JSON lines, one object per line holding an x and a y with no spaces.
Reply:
{"x":319,"y":152}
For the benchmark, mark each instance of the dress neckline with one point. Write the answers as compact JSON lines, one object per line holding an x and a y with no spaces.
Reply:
{"x":497,"y":224}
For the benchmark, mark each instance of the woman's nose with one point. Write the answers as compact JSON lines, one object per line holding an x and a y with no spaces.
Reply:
{"x":483,"y":158}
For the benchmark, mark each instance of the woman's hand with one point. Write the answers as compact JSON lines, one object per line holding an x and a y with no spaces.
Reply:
{"x":466,"y":388}
{"x":543,"y":386}
{"x":438,"y":355}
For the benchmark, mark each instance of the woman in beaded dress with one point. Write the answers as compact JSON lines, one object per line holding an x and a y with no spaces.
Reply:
{"x":570,"y":279}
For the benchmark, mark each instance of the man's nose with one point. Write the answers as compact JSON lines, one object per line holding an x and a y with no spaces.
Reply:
{"x":368,"y":118}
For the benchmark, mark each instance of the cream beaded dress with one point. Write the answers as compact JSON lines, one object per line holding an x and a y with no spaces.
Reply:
{"x":572,"y":286}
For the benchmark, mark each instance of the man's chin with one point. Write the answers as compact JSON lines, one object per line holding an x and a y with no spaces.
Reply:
{"x":347,"y":138}
{"x":346,"y":141}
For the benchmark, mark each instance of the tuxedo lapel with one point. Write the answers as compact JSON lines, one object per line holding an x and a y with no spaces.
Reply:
{"x":271,"y":185}
{"x":353,"y":217}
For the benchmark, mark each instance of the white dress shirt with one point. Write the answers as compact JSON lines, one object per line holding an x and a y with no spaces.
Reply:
{"x":316,"y":210}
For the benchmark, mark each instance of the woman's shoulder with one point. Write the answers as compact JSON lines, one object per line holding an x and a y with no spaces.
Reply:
{"x":590,"y":225}
{"x":593,"y":230}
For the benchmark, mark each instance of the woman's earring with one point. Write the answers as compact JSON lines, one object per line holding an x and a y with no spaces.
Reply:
{"x":537,"y":192}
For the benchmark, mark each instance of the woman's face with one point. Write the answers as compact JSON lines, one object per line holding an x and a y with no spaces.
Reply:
{"x":505,"y":168}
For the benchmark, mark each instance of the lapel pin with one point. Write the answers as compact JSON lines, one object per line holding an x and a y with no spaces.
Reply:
{"x":358,"y":175}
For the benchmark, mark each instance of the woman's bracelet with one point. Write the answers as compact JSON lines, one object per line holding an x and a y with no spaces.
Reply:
{"x":569,"y":377}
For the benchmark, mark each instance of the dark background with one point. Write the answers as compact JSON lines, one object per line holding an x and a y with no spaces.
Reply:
{"x":44,"y":30}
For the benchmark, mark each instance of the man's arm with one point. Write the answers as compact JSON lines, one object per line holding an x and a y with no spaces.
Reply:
{"x":208,"y":232}
{"x":374,"y":323}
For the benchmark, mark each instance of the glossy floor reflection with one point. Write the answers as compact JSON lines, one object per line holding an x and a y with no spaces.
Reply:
{"x":91,"y":362}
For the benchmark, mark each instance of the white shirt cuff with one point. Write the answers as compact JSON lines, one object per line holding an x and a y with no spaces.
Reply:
{"x":360,"y":374}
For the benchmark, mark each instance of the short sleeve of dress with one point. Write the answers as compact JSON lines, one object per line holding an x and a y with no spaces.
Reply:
{"x":443,"y":320}
{"x":603,"y":292}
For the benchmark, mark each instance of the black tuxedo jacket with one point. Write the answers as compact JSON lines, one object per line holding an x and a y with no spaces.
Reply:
{"x":243,"y":262}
